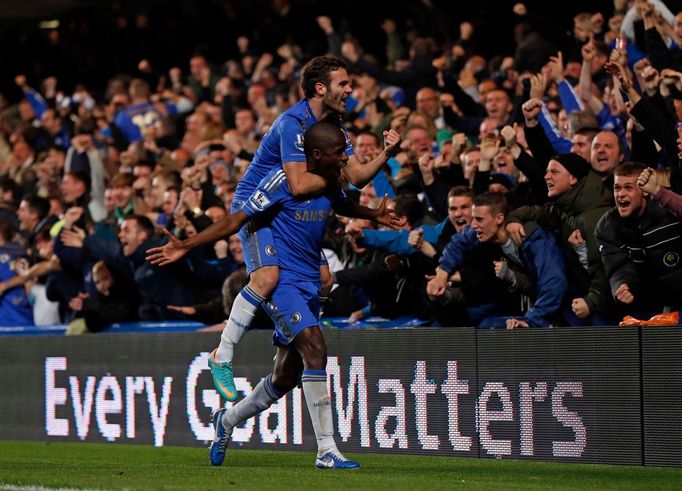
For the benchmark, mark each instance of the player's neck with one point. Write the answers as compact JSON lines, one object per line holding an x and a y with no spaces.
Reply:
{"x":318,"y":108}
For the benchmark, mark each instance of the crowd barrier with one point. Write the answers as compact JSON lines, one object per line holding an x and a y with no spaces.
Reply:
{"x":598,"y":395}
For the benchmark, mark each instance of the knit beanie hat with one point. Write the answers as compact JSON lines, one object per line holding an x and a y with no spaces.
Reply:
{"x":573,"y":163}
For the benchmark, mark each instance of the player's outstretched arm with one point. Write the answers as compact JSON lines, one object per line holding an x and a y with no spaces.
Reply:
{"x":360,"y":174}
{"x":176,"y":248}
{"x":382,"y":215}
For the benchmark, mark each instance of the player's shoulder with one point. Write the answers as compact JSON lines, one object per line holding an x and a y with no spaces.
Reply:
{"x":274,"y":180}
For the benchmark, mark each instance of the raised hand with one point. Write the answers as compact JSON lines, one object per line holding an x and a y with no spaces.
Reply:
{"x":386,"y":216}
{"x":648,"y":181}
{"x":556,"y":64}
{"x":168,"y":253}
{"x":538,"y":85}
{"x":391,"y":143}
{"x":516,"y":232}
{"x":531,"y":108}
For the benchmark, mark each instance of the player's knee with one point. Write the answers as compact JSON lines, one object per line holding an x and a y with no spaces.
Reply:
{"x":264,"y":280}
{"x":314,"y":355}
{"x":284,"y":382}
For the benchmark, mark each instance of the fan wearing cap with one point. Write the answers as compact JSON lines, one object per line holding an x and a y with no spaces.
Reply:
{"x":578,"y":199}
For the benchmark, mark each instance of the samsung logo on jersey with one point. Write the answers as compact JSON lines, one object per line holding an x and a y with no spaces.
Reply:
{"x":259,"y":200}
{"x":311,"y":215}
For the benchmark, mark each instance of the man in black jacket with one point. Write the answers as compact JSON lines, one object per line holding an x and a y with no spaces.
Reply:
{"x":640,"y":244}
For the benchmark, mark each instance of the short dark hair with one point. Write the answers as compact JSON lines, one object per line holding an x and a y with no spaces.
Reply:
{"x":369,"y":133}
{"x":143,"y":222}
{"x":7,"y":184}
{"x":629,"y":169}
{"x":318,"y":70}
{"x":458,"y":191}
{"x":497,"y":202}
{"x":82,"y":176}
{"x":409,"y":206}
{"x":38,"y":205}
{"x":322,"y":135}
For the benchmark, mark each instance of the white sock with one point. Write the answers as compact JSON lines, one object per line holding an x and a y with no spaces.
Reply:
{"x":261,"y":398}
{"x":242,"y":314}
{"x":320,"y":408}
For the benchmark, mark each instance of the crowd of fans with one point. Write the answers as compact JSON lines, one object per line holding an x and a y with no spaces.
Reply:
{"x":539,"y":189}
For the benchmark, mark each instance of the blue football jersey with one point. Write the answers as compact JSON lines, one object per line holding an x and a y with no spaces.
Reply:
{"x":282,"y":143}
{"x":297,"y":226}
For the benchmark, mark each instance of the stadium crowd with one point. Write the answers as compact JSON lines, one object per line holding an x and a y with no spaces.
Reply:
{"x":538,"y":189}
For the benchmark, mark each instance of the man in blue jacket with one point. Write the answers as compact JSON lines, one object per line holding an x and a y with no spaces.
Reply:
{"x":538,"y":260}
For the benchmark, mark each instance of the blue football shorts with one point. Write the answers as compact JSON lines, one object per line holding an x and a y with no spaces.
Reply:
{"x":293,"y":306}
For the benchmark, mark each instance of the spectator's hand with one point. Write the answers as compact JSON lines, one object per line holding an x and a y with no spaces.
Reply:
{"x":673,"y":77}
{"x":72,"y":215}
{"x":399,"y":118}
{"x":621,"y":73}
{"x":459,"y":142}
{"x":388,"y":26}
{"x":325,"y":24}
{"x":646,"y":9}
{"x":168,"y":253}
{"x":285,"y":51}
{"x":183,"y":309}
{"x":489,"y":148}
{"x":354,"y":229}
{"x":576,"y":238}
{"x":73,"y":237}
{"x":383,"y":215}
{"x":509,"y":135}
{"x":437,"y":284}
{"x":264,"y":61}
{"x":556,"y":64}
{"x":426,"y":163}
{"x":82,"y":143}
{"x":538,"y":85}
{"x":531,"y":108}
{"x":76,"y":303}
{"x":415,"y":238}
{"x":20,"y":80}
{"x":588,"y":50}
{"x":624,"y":295}
{"x":648,"y":181}
{"x":466,"y":29}
{"x":516,"y":232}
{"x":192,"y":198}
{"x":597,"y":22}
{"x":221,"y":248}
{"x":391,"y":142}
{"x":580,"y":308}
{"x":516,"y":323}
{"x":440,"y":64}
{"x":350,"y":51}
{"x":651,"y":80}
{"x":356,"y":316}
{"x":619,"y":57}
{"x":520,"y":9}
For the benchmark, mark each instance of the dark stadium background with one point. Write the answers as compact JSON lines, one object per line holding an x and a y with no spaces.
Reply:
{"x":91,"y":50}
